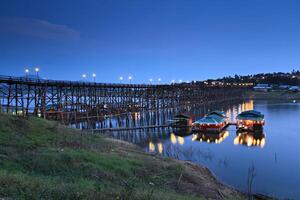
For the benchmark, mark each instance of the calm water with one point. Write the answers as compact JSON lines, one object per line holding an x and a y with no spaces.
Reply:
{"x":274,"y":154}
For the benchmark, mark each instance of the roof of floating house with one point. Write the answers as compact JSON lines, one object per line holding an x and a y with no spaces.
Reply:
{"x":181,"y":116}
{"x":250,"y":115}
{"x":214,"y":117}
{"x":217,"y":112}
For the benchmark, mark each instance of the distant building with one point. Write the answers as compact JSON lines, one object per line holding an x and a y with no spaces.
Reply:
{"x":262,"y":87}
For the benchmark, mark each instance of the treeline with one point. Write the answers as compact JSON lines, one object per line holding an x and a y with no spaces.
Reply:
{"x":276,"y":78}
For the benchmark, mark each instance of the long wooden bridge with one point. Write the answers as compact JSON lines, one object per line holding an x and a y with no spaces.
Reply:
{"x":69,"y":101}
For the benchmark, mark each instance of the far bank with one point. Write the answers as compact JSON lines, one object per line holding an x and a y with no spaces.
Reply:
{"x":273,"y":95}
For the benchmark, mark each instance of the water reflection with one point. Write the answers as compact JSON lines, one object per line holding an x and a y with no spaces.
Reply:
{"x":232,"y":112}
{"x":250,"y":139}
{"x":217,"y":138}
{"x":176,"y":139}
{"x":160,"y":147}
{"x":184,"y":131}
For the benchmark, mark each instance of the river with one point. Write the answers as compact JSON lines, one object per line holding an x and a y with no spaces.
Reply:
{"x":273,"y":156}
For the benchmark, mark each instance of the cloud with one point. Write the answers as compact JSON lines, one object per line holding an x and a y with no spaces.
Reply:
{"x":38,"y":28}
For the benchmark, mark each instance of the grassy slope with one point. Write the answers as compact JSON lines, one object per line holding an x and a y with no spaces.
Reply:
{"x":40,"y":159}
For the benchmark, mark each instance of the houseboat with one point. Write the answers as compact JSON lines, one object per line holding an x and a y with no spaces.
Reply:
{"x":250,"y":120}
{"x":215,"y":121}
{"x":180,"y":120}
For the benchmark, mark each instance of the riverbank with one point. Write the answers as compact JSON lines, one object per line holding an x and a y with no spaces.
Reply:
{"x":43,"y":160}
{"x":274,"y":95}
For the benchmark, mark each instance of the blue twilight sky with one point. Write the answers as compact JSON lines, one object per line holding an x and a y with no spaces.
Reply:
{"x":170,"y":39}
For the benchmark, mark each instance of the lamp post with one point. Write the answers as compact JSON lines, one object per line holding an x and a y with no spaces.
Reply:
{"x":121,"y":79}
{"x":26,"y":73}
{"x":94,"y":77}
{"x":37,"y":71}
{"x":130,"y":78}
{"x":150,"y":79}
{"x":84,"y":77}
{"x":159,"y":80}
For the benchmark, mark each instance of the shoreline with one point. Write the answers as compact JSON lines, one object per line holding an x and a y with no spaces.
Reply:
{"x":43,"y":159}
{"x":205,"y":172}
{"x":208,"y":183}
{"x":274,"y":95}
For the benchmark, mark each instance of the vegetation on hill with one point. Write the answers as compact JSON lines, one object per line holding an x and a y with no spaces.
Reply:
{"x":41,"y":159}
{"x":276,"y":78}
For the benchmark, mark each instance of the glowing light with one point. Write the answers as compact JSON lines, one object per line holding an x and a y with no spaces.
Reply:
{"x":37,"y":69}
{"x":83,"y":75}
{"x":194,"y":137}
{"x":226,"y":134}
{"x":121,"y":78}
{"x":151,"y":147}
{"x":262,"y":142}
{"x":26,"y":71}
{"x":160,"y":148}
{"x":136,"y":115}
{"x":150,"y":79}
{"x":130,"y":77}
{"x":94,"y":75}
{"x":173,"y":81}
{"x":254,"y":141}
{"x":173,"y":138}
{"x":249,"y":141}
{"x":180,"y":140}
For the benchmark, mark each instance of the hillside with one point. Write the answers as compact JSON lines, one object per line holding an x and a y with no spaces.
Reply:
{"x":43,"y":160}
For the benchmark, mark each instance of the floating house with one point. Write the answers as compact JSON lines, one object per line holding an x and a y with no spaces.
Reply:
{"x":181,"y":120}
{"x":250,"y":120}
{"x":215,"y":121}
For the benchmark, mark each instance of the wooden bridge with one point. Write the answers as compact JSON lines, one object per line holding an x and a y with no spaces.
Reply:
{"x":69,"y":101}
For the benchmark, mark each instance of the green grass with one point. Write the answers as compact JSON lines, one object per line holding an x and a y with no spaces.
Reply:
{"x":41,"y":159}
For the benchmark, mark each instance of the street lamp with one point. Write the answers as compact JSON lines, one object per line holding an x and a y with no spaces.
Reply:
{"x":159,"y":80}
{"x":130,"y":78}
{"x":94,"y":77}
{"x":84,"y":76}
{"x":150,"y":79}
{"x":37,"y":71}
{"x":26,"y":72}
{"x":121,"y":79}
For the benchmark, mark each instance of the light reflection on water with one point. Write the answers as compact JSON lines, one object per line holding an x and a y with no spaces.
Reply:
{"x":228,"y":155}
